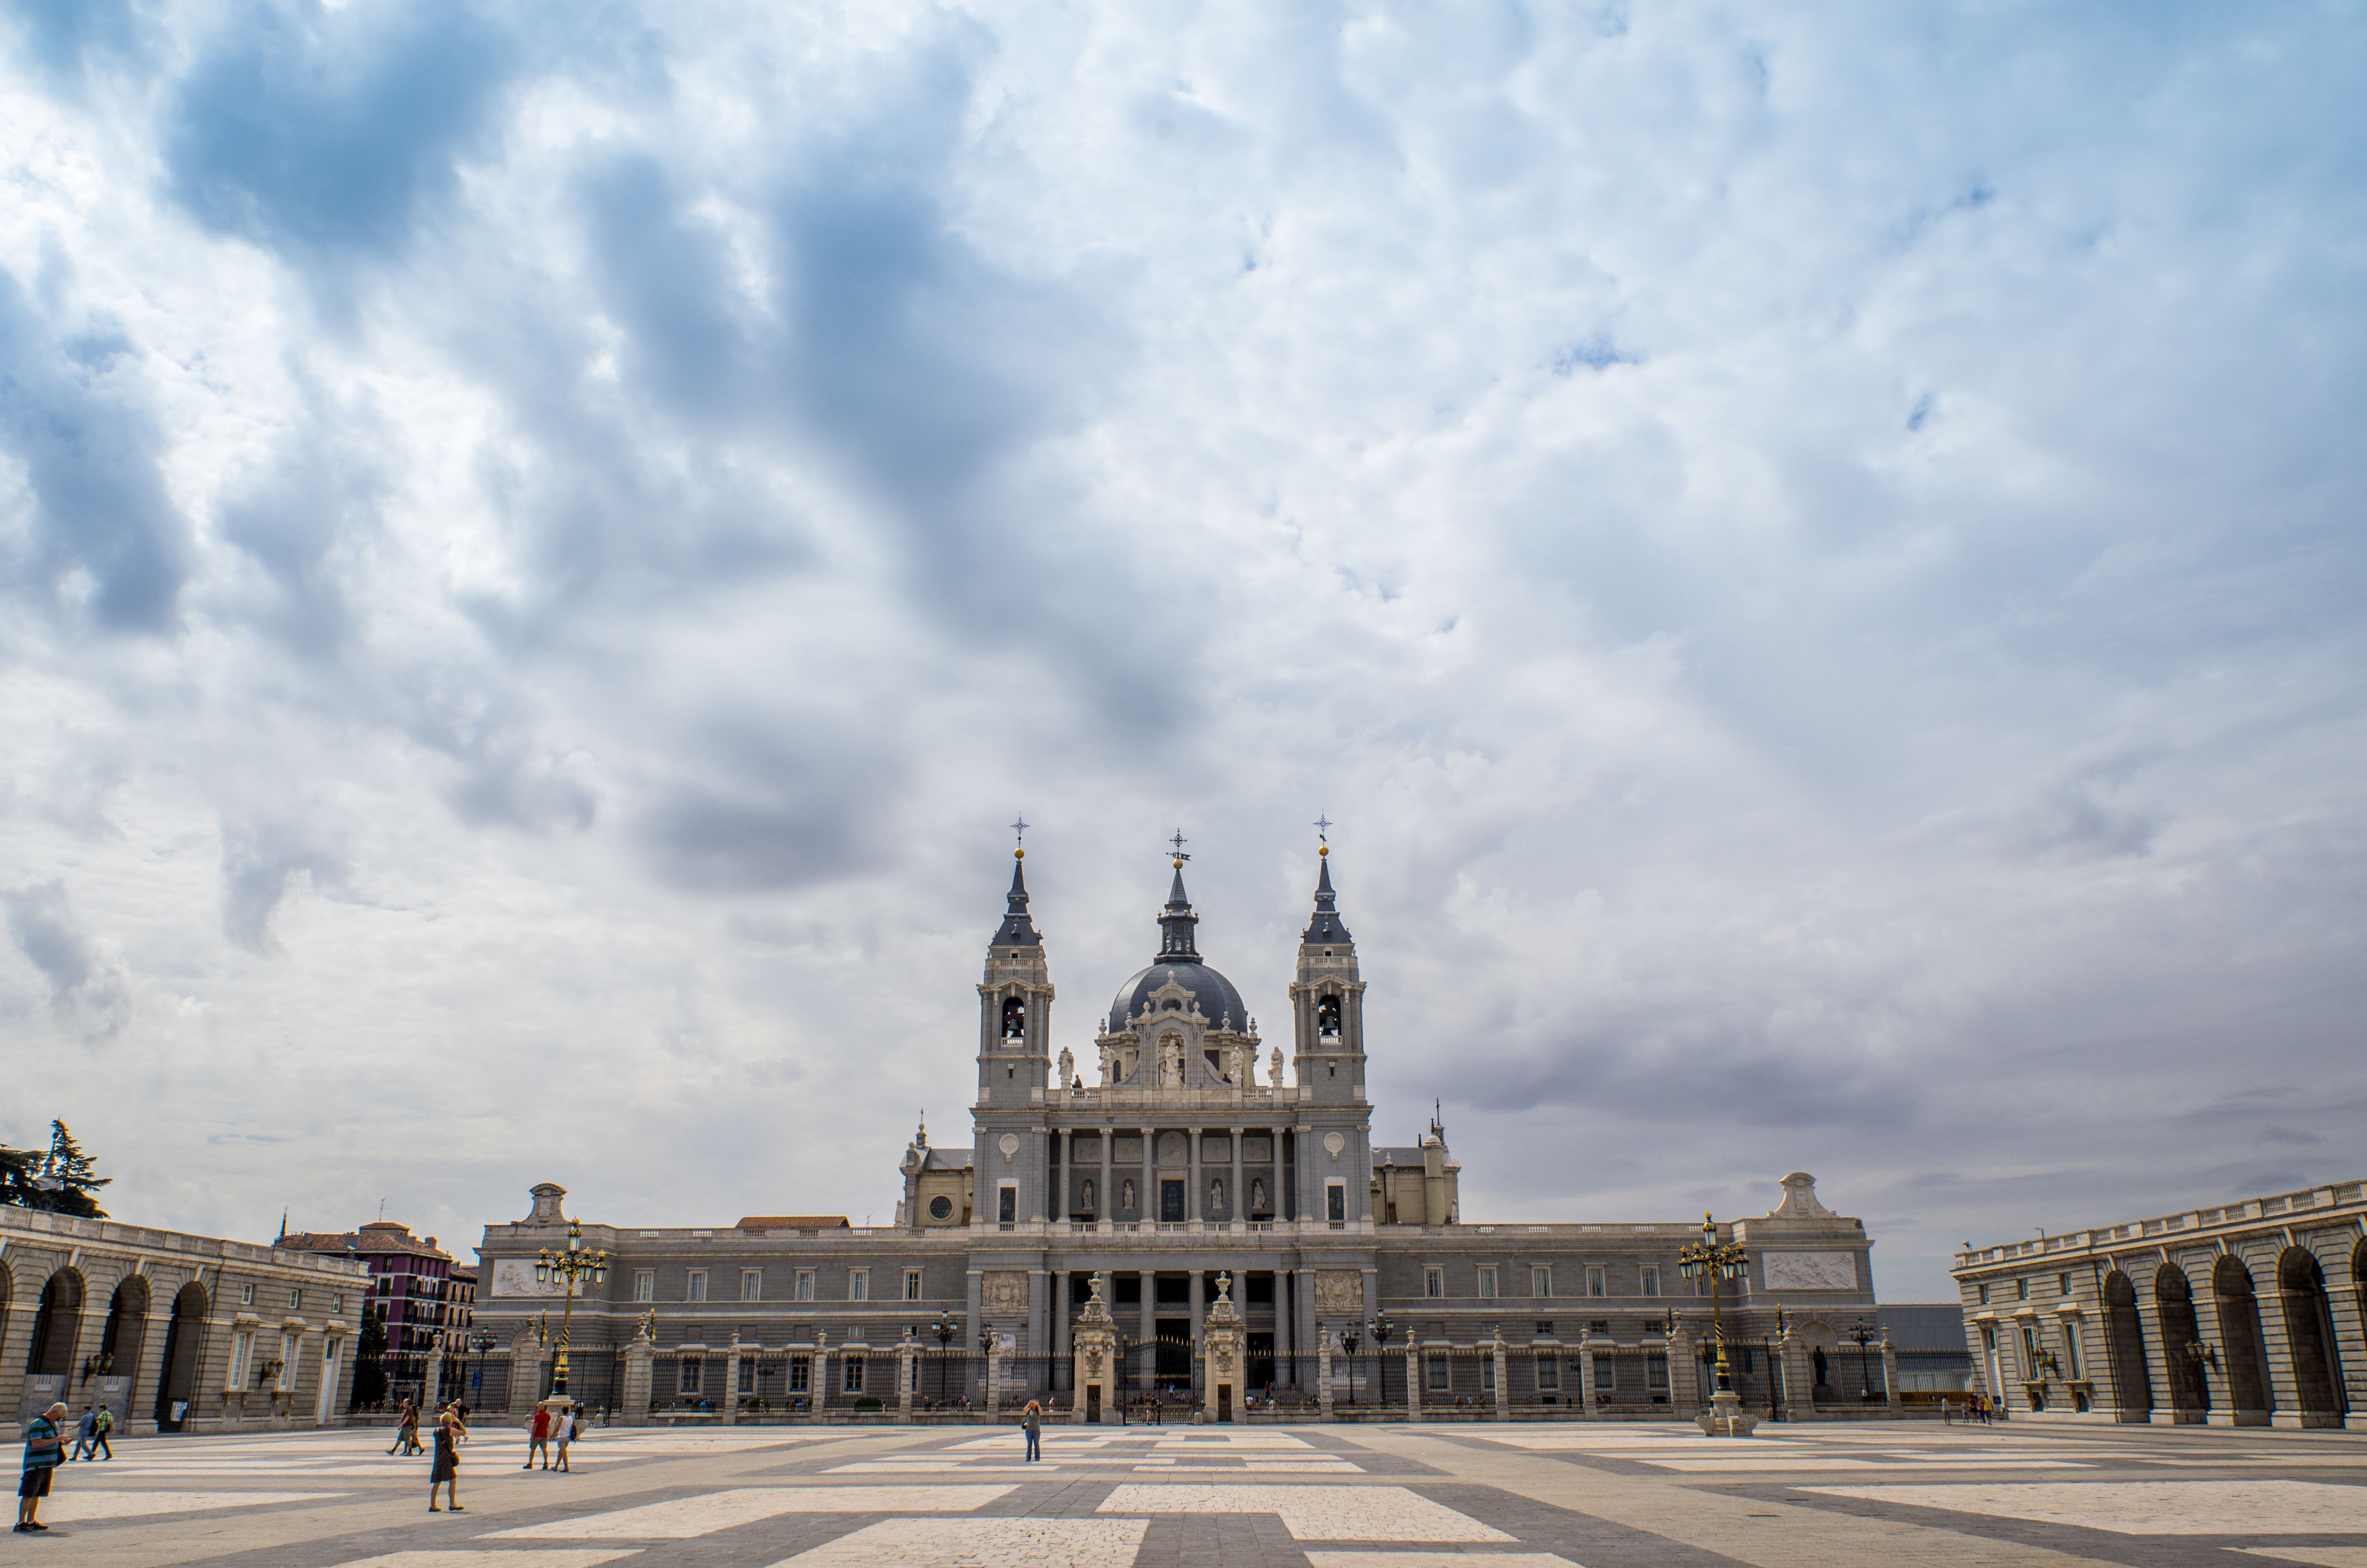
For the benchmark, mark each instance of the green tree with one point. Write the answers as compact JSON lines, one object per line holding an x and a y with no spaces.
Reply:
{"x":69,"y":1176}
{"x":19,"y":1169}
{"x":369,"y":1359}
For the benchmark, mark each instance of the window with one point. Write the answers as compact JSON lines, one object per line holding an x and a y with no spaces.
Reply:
{"x":1434,"y":1282}
{"x":2029,"y":1350}
{"x":645,"y":1284}
{"x":1656,"y":1375}
{"x":1488,"y":1282}
{"x":1984,"y":1295}
{"x":295,"y":1300}
{"x":1335,"y":1202}
{"x":751,"y":1284}
{"x":1606,"y":1374}
{"x":858,"y":1284}
{"x":941,"y":1208}
{"x":1487,"y":1374}
{"x":1548,"y":1372}
{"x":2063,"y":1284}
{"x":911,"y":1284}
{"x":1434,"y":1373}
{"x":241,"y":1352}
{"x":854,"y":1374}
{"x":1596,"y":1284}
{"x":2022,"y":1289}
{"x":246,"y":1295}
{"x":801,"y":1374}
{"x":2071,"y":1360}
{"x":694,"y":1375}
{"x":292,"y":1355}
{"x":1651,"y":1279}
{"x":805,"y":1284}
{"x":747,"y":1377}
{"x":694,"y":1289}
{"x":1540,"y":1282}
{"x":1006,"y":1205}
{"x":337,"y":1301}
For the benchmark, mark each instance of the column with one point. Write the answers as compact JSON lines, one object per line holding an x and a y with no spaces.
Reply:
{"x":1323,"y":1377}
{"x":1237,"y":1198}
{"x":1196,"y":1201}
{"x":1199,"y":1293}
{"x":906,"y":1367}
{"x":1890,"y":1374}
{"x":821,"y":1379}
{"x":1684,"y":1383}
{"x":1413,"y":1375}
{"x":1503,"y":1378}
{"x":1106,"y":1208}
{"x":1147,"y":1196}
{"x":1148,"y":1337}
{"x":2211,"y":1332}
{"x":640,"y":1359}
{"x":2158,"y":1371}
{"x":731,"y":1383}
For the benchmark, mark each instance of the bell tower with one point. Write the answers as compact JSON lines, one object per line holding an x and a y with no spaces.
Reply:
{"x":1327,"y":1003}
{"x":1014,"y":1006}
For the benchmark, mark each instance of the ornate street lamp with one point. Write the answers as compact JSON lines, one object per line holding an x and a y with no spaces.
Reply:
{"x":1349,"y":1341}
{"x":1382,"y":1329}
{"x":1714,"y":1260}
{"x":945,"y":1329}
{"x":1862,"y":1333}
{"x":571,"y":1265}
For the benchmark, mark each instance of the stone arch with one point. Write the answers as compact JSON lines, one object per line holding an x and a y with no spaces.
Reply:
{"x":57,"y":1325}
{"x":2309,"y":1333}
{"x":2240,"y":1334}
{"x":1014,"y":1016}
{"x":2181,"y":1338}
{"x":2124,"y":1350}
{"x":1326,"y":1015}
{"x":7,"y":1297}
{"x":185,"y":1341}
{"x":126,"y":1333}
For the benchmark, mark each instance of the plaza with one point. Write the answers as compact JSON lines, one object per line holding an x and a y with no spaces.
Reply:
{"x":1598,"y":1495}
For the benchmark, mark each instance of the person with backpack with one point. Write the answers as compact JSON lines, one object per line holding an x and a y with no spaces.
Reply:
{"x":106,"y":1424}
{"x":564,"y":1434}
{"x":86,"y":1436}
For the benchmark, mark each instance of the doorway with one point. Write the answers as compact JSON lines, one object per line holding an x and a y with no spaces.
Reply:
{"x":1171,"y":1201}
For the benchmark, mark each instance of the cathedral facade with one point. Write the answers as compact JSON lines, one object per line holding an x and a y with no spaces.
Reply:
{"x":1180,"y":1157}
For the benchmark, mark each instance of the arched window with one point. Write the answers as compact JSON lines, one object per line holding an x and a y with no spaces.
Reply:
{"x":1327,"y":1017}
{"x":1014,"y":1017}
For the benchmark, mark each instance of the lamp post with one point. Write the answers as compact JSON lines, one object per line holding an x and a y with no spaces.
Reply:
{"x":1714,"y":1260}
{"x":1349,"y":1340}
{"x":1382,"y":1329}
{"x":945,"y":1329}
{"x":571,"y":1263}
{"x":1862,"y":1335}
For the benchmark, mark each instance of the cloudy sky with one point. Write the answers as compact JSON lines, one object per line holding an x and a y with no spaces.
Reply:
{"x":1813,"y":553}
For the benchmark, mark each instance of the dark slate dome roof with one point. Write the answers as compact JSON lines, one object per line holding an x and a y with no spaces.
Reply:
{"x":1211,"y":991}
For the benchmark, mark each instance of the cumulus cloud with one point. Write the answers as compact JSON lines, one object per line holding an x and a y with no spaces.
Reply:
{"x":1813,"y":559}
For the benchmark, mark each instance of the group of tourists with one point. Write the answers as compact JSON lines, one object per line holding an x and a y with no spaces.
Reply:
{"x":554,"y":1430}
{"x":1979,"y":1410}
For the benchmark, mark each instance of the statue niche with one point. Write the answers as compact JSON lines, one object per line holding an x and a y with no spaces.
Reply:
{"x":1171,"y":1061}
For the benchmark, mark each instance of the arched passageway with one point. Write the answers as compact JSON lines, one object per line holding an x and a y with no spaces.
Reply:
{"x":126,"y":1333}
{"x":185,"y":1336}
{"x":2239,"y":1331}
{"x":2309,"y":1330}
{"x":2124,"y":1349}
{"x":57,"y":1328}
{"x":2181,"y":1342}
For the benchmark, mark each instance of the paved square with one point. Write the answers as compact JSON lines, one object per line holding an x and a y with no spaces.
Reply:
{"x":1429,"y":1495}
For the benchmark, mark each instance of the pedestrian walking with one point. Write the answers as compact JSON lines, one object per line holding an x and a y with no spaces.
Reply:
{"x":1032,"y":1419}
{"x":106,"y":1424}
{"x":450,"y":1433}
{"x":86,"y":1434}
{"x":564,"y":1434}
{"x":406,"y":1431}
{"x":45,"y":1444}
{"x":537,"y":1437}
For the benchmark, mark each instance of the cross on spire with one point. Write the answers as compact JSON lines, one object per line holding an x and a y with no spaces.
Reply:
{"x":1019,"y":827}
{"x":1322,"y":827}
{"x":1179,"y":841}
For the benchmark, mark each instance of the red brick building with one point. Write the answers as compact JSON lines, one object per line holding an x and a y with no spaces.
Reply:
{"x":412,"y":1288}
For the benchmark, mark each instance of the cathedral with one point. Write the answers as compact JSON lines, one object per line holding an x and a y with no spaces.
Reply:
{"x":1177,"y":1165}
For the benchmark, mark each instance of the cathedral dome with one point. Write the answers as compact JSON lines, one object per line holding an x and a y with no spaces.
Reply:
{"x":1211,"y":992}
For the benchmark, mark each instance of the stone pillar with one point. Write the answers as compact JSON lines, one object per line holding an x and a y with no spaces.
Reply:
{"x":1105,"y":1196}
{"x":1685,"y":1382}
{"x":1148,"y":1337}
{"x":1413,"y":1376}
{"x":1196,"y":1205}
{"x":1146,"y":1197}
{"x":731,"y":1412}
{"x":1237,"y":1201}
{"x":1503,"y":1375}
{"x":526,"y":1379}
{"x":1225,"y":1345}
{"x":819,"y":1389}
{"x":1799,"y":1378}
{"x":1586,"y":1404}
{"x":641,"y":1358}
{"x":1094,"y":1361}
{"x":1199,"y":1301}
{"x":434,"y":1395}
{"x":1322,"y":1375}
{"x":1889,"y":1373}
{"x":907,"y":1369}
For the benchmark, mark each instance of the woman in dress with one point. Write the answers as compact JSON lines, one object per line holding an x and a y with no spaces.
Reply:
{"x":449,"y":1434}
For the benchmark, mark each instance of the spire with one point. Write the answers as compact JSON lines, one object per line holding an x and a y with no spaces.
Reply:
{"x":1176,"y":944}
{"x":1325,"y":927}
{"x":1017,"y":930}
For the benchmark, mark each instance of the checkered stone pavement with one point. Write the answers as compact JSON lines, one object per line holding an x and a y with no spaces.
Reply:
{"x":1432,"y":1495}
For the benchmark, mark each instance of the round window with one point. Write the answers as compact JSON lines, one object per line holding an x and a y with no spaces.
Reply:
{"x":941,"y":1208}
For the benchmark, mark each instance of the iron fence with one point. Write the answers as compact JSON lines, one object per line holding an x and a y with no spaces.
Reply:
{"x":1752,"y":1370}
{"x":949,"y":1380}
